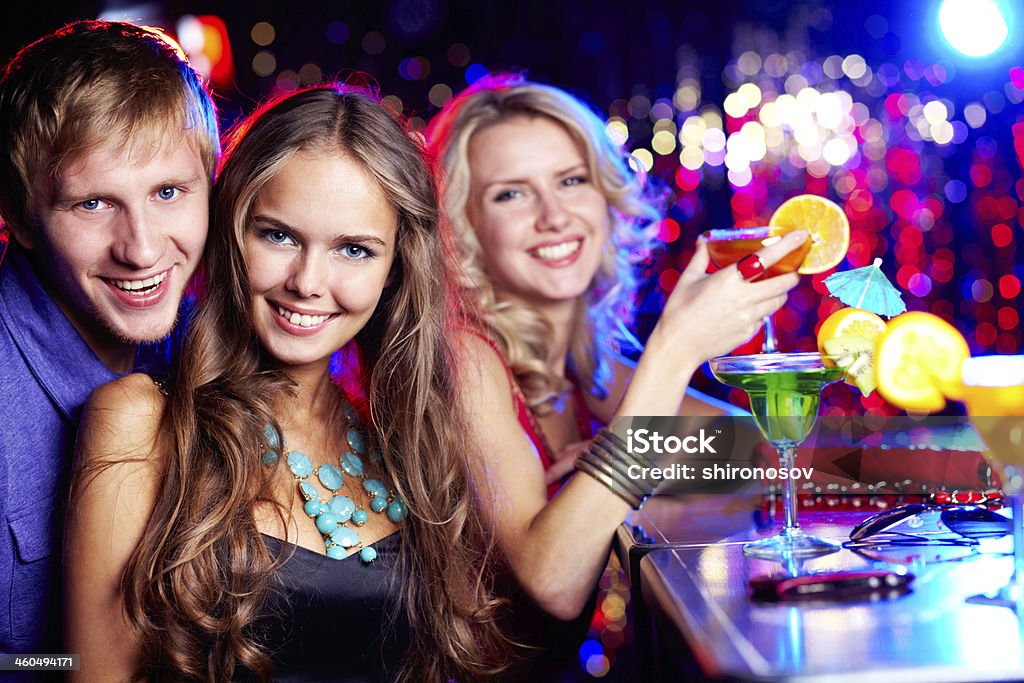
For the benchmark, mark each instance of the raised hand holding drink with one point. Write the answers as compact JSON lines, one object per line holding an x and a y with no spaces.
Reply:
{"x":829,"y":239}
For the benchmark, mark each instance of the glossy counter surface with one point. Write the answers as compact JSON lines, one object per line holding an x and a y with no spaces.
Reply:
{"x":690,"y":572}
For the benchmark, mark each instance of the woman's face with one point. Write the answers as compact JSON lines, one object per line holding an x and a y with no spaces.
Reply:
{"x":319,"y":249}
{"x":541,"y":221}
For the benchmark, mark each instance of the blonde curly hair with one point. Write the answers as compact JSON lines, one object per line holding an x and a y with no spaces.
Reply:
{"x":605,"y":311}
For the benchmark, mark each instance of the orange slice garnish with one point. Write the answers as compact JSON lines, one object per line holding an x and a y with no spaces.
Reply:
{"x":850,"y":321}
{"x":918,"y":362}
{"x":826,"y":223}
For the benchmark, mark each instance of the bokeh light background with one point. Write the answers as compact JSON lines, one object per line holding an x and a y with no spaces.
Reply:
{"x":733,"y":106}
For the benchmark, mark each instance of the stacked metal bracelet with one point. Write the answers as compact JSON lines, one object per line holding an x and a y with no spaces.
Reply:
{"x":608,"y":460}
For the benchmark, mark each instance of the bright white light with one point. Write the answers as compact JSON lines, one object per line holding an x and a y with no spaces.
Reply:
{"x":935,"y":111}
{"x":975,"y":28}
{"x":811,"y":152}
{"x":735,"y":106}
{"x":714,"y":140}
{"x":975,"y":115}
{"x":750,"y":95}
{"x":836,"y":152}
{"x":993,"y":371}
{"x":942,"y":132}
{"x":769,"y":115}
{"x":807,"y":135}
{"x":787,"y":109}
{"x":664,"y":142}
{"x":692,"y":131}
{"x":691,"y":158}
{"x":854,"y":66}
{"x":740,"y":177}
{"x":753,"y":140}
{"x":190,"y":34}
{"x":737,"y":155}
{"x":643,"y":157}
{"x":830,"y":111}
{"x":617,"y":130}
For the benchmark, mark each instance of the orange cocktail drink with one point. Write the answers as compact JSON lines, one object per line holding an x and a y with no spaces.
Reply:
{"x":921,"y":361}
{"x":728,"y":246}
{"x":828,"y":233}
{"x":992,"y":387}
{"x":993,"y":391}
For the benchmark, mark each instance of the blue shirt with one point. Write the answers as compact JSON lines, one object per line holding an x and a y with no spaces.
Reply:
{"x":47,"y":372}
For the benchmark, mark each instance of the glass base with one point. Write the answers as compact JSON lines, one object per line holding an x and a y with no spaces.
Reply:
{"x":1009,"y":595}
{"x":782,"y":547}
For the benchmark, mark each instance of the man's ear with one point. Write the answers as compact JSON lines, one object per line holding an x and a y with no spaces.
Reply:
{"x":22,"y":235}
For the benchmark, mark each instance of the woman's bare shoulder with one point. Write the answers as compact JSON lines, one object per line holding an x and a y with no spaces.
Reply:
{"x":137,"y":390}
{"x":122,"y":417}
{"x":481,"y":367}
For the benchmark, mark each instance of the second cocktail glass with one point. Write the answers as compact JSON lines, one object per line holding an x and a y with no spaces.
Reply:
{"x":993,"y":390}
{"x":784,"y":391}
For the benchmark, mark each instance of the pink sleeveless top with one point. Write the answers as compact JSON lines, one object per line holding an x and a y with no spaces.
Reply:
{"x":528,"y":419}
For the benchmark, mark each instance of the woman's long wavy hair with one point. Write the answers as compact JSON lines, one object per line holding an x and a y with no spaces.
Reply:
{"x":202,"y":575}
{"x":605,"y":311}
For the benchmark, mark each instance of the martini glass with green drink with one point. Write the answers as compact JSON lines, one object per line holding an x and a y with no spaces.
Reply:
{"x":784,"y":391}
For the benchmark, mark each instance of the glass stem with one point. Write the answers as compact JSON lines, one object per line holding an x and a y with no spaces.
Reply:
{"x":771,"y":344}
{"x":1016,"y":501}
{"x":787,"y":456}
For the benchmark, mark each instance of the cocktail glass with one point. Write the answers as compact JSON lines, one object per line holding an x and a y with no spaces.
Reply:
{"x":728,"y":246}
{"x":784,"y":391}
{"x":993,"y":390}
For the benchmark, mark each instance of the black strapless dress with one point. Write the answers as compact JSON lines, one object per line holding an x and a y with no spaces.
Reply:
{"x":336,"y":620}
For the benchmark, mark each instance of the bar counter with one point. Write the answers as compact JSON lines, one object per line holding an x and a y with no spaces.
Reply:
{"x":690,"y":580}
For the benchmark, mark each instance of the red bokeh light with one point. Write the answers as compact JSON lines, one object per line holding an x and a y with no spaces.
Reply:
{"x":668,"y":279}
{"x":903,"y":165}
{"x":1009,"y":286}
{"x":1008,"y":318}
{"x":981,"y":175}
{"x":904,"y":203}
{"x":904,"y":274}
{"x":1002,"y":235}
{"x":1007,"y":342}
{"x":668,"y":230}
{"x":687,"y":179}
{"x":986,"y":334}
{"x":1017,"y":77}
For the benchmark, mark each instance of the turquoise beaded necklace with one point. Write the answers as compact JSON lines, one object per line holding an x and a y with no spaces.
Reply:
{"x":335,"y":518}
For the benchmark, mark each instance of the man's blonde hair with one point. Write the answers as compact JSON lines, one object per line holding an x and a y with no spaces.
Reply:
{"x":86,"y":84}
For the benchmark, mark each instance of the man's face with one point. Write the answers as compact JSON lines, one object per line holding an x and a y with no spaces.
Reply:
{"x":120,"y":236}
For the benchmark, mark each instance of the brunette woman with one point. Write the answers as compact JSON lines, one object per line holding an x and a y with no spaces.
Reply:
{"x":245,"y":517}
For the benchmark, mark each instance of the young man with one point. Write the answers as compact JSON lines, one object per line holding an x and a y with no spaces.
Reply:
{"x":108,"y":145}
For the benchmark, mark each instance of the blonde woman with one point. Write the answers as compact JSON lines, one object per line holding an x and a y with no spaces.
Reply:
{"x":550,"y":219}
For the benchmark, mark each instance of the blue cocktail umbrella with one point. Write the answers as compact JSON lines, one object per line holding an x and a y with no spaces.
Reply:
{"x":867,"y":288}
